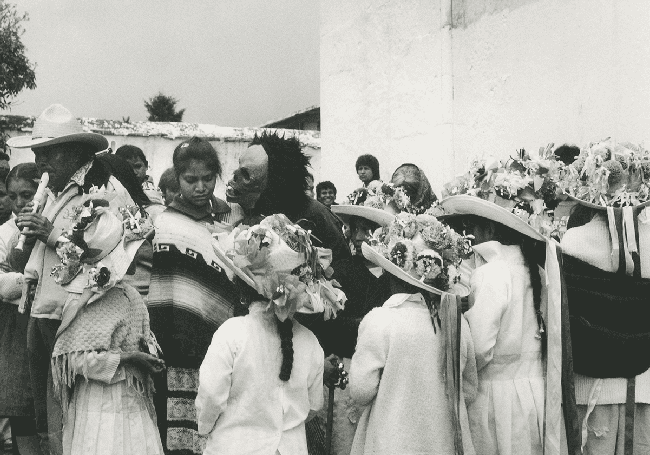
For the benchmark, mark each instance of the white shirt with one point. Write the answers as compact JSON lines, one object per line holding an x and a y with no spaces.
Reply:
{"x":241,"y":401}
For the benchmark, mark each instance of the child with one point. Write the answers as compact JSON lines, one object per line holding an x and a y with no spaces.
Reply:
{"x":404,"y":369}
{"x":262,"y":376}
{"x":104,"y":352}
{"x":507,"y":289}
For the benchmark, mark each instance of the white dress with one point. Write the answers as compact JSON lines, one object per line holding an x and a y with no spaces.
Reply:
{"x":507,"y":417}
{"x":106,"y":415}
{"x":242,"y":403}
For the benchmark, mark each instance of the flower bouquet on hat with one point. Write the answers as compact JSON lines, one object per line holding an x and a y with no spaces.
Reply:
{"x":276,"y":258}
{"x":422,"y":251}
{"x":383,"y":196}
{"x":524,"y":186}
{"x":98,"y":247}
{"x":609,"y":174}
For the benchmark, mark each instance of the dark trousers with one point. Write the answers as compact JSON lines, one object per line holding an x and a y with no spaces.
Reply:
{"x":41,"y":334}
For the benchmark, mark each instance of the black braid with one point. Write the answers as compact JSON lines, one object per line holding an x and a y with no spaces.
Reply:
{"x":528,"y":251}
{"x":286,"y":346}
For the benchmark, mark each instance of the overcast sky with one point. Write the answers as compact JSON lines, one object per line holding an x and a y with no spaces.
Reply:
{"x":228,"y":62}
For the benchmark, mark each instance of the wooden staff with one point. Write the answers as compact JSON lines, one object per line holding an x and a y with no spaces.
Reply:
{"x":342,"y":383}
{"x":38,"y":198}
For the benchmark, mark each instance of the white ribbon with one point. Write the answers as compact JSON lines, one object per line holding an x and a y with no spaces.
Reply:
{"x":553,"y":408}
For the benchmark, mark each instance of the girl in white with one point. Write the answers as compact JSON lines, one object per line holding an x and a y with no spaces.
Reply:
{"x":262,"y":376}
{"x":505,"y":320}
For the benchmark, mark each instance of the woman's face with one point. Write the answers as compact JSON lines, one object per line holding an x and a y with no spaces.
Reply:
{"x":197,"y":184}
{"x":20,"y":192}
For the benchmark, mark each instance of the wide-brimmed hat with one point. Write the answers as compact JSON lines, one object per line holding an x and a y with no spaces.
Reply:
{"x":378,"y":216}
{"x":115,"y":240}
{"x":609,"y":174}
{"x":57,"y":125}
{"x":472,"y":205}
{"x":277,"y":259}
{"x":420,"y":250}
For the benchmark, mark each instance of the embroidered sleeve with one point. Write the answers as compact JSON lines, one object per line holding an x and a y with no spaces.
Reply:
{"x":490,"y":293}
{"x":215,"y":377}
{"x":369,"y":358}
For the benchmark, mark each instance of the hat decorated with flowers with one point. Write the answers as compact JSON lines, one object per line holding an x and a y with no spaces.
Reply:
{"x":422,"y":251}
{"x":276,"y":258}
{"x":383,"y":196}
{"x":98,"y":247}
{"x":609,"y":174}
{"x":520,"y":193}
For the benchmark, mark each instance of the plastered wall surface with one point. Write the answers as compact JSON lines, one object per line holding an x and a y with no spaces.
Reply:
{"x":438,"y":82}
{"x":380,"y":85}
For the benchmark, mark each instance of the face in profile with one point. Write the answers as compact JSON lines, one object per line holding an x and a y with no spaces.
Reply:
{"x":361,"y":230}
{"x":250,"y":179}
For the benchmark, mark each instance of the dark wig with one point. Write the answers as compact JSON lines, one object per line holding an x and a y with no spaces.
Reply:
{"x":285,"y":329}
{"x":123,"y":172}
{"x":131,"y":152}
{"x":326,"y":185}
{"x":532,"y":251}
{"x":371,"y":162}
{"x":198,"y":149}
{"x":287,"y":175}
{"x":25,"y":171}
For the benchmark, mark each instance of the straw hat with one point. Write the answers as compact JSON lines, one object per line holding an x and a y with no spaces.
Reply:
{"x":56,"y":125}
{"x":345,"y":212}
{"x":421,"y":251}
{"x":472,"y":205}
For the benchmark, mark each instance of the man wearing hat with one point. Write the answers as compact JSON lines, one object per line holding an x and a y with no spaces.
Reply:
{"x":64,"y":151}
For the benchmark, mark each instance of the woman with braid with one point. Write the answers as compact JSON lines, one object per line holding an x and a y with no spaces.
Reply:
{"x":507,"y":327}
{"x":262,"y":376}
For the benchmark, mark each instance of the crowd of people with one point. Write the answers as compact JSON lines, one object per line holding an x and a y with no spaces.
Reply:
{"x":138,"y":318}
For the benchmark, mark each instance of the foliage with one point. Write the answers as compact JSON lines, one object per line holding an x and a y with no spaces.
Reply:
{"x":16,"y":72}
{"x":162,"y":108}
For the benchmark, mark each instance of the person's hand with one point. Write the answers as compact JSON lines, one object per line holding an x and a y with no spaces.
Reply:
{"x":36,"y":225}
{"x":143,"y":361}
{"x":330,"y":371}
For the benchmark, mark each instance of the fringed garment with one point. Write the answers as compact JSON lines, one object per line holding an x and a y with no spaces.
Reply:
{"x":190,"y":296}
{"x":107,"y":407}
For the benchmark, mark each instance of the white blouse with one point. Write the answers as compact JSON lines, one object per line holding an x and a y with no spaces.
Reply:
{"x":242,"y":403}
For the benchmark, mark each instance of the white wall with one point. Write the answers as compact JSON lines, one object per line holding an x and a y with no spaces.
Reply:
{"x":398,"y":82}
{"x":159,"y":151}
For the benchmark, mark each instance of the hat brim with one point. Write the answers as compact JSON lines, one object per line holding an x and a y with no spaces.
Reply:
{"x":345,"y":212}
{"x":227,"y":262}
{"x":96,"y":140}
{"x":602,"y":207}
{"x":378,"y":259}
{"x":472,"y":205}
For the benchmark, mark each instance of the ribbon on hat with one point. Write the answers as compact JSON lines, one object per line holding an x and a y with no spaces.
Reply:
{"x":450,"y":314}
{"x":553,"y":406}
{"x":288,"y":297}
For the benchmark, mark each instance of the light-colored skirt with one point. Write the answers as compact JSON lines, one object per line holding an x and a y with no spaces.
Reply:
{"x":507,"y":417}
{"x":110,"y":419}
